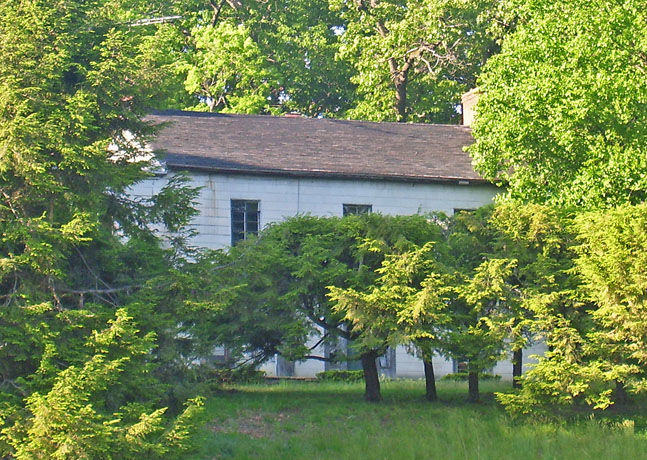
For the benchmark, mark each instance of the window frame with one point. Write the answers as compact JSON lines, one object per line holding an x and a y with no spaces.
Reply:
{"x":241,"y":212}
{"x":353,"y":209}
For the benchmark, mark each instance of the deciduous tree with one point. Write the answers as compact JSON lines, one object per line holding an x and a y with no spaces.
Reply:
{"x":413,"y":59}
{"x":562,"y":118}
{"x":289,"y":57}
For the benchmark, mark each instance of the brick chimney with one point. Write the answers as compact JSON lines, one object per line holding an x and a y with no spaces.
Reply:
{"x":469,"y":101}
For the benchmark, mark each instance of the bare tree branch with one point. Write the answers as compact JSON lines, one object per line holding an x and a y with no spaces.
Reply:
{"x":320,"y":358}
{"x":319,"y":342}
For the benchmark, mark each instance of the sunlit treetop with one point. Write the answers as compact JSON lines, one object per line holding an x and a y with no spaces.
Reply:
{"x":563,"y":116}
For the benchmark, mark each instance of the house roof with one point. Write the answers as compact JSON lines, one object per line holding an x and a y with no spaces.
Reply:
{"x":307,"y":147}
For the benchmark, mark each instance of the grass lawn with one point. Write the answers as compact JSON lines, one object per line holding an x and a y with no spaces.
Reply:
{"x":311,"y":420}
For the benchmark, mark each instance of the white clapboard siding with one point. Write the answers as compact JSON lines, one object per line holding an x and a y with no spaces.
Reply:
{"x":281,"y":197}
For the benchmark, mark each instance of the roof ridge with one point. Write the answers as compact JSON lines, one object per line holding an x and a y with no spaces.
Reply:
{"x":196,"y":113}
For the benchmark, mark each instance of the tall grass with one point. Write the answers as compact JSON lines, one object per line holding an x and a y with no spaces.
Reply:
{"x":331,"y":421}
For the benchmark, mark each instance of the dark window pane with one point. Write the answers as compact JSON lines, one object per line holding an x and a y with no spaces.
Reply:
{"x":237,"y":206}
{"x":245,"y":219}
{"x":353,"y":209}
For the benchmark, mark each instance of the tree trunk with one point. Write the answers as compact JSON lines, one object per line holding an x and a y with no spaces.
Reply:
{"x":620,"y":396}
{"x":473,"y":387}
{"x":430,"y":381}
{"x":400,"y":82}
{"x":399,"y":76}
{"x":371,"y":378}
{"x":517,"y":367}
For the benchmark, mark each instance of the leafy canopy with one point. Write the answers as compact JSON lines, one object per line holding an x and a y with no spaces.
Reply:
{"x":413,"y":59}
{"x":562,"y":118}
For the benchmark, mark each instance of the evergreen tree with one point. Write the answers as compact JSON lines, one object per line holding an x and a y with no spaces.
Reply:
{"x":76,"y":80}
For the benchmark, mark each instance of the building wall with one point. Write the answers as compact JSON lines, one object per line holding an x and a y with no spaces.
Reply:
{"x":281,"y":197}
{"x":409,"y":366}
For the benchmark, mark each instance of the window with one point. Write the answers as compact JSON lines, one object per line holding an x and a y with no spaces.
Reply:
{"x":354,"y":209}
{"x":459,"y":366}
{"x":245,"y":218}
{"x":220,"y":354}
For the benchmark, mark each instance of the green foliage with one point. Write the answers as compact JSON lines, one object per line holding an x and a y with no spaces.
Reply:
{"x":413,"y":59}
{"x":541,"y":283}
{"x":380,"y":60}
{"x":75,"y":247}
{"x":471,"y":287}
{"x":255,"y":57}
{"x":479,"y":322}
{"x":278,"y":283}
{"x":341,"y":376}
{"x":611,"y":261}
{"x":559,"y":380}
{"x":546,"y":305}
{"x":300,"y":40}
{"x":462,"y":376}
{"x":582,"y":295}
{"x":375,"y":311}
{"x":562,"y":118}
{"x":68,"y":421}
{"x":474,"y":292}
{"x":227,"y":70}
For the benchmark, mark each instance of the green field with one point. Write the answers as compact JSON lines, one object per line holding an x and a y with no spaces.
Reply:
{"x":310,"y":420}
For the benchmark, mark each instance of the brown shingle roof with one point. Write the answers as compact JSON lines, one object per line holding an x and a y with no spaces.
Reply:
{"x":306,"y":147}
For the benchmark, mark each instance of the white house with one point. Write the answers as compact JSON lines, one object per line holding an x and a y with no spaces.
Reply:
{"x":254,"y":170}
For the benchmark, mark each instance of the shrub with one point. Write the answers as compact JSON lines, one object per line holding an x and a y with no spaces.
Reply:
{"x":341,"y":376}
{"x":462,"y":377}
{"x":243,"y":374}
